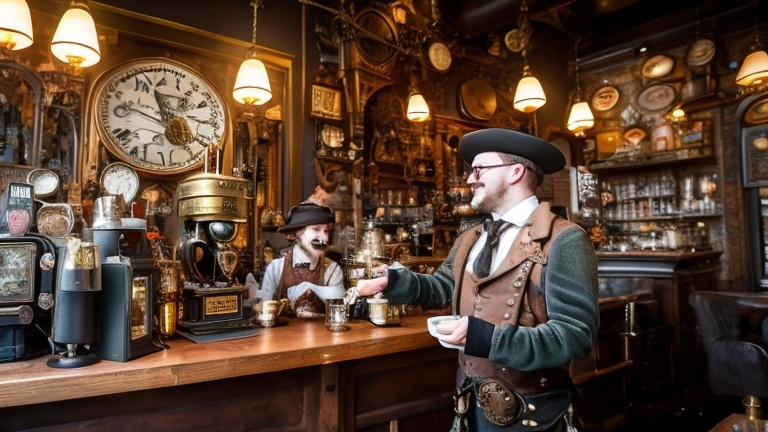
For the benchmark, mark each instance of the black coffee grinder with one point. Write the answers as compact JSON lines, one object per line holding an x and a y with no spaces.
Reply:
{"x":211,"y":209}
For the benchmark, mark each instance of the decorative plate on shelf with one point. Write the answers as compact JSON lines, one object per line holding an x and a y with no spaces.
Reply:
{"x":634,"y":134}
{"x":439,"y":56}
{"x":757,"y":113}
{"x":658,"y":66}
{"x":605,"y":98}
{"x":656,"y":97}
{"x":700,"y":53}
{"x":477,"y":99}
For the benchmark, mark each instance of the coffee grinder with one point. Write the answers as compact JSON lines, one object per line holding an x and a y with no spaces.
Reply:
{"x":211,"y":208}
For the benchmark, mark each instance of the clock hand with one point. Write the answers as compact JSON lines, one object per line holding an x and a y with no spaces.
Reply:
{"x":125,"y":110}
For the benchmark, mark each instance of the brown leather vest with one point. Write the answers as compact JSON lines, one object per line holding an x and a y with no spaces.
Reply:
{"x":293,"y":276}
{"x":511,"y":295}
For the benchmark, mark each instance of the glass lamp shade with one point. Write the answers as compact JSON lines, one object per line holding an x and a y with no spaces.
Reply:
{"x":75,"y":40}
{"x":252,"y":83}
{"x":15,"y":24}
{"x":529,"y":96}
{"x":754,"y":70}
{"x":581,"y":117}
{"x":418,"y":110}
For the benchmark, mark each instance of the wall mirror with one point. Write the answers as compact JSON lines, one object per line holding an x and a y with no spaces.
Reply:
{"x":21,"y":91}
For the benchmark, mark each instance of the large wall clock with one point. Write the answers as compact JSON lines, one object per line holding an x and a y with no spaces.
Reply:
{"x":159,"y":115}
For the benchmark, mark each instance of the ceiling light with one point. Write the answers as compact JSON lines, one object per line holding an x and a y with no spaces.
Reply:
{"x":754,"y":70}
{"x":529,"y":95}
{"x":15,"y":25}
{"x":252,"y":83}
{"x":418,"y":110}
{"x":75,"y":40}
{"x":580,"y":118}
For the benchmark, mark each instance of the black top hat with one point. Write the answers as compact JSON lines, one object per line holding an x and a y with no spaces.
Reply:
{"x":305,"y":214}
{"x":538,"y":151}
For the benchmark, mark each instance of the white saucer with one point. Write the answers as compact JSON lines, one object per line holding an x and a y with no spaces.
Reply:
{"x":432,"y":323}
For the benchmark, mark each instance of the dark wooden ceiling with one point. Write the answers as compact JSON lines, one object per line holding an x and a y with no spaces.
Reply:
{"x":603,"y":24}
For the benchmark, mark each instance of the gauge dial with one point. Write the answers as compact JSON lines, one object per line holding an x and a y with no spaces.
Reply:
{"x":44,"y":182}
{"x":119,"y":178}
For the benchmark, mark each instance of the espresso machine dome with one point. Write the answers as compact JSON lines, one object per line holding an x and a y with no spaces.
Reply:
{"x":212,"y":208}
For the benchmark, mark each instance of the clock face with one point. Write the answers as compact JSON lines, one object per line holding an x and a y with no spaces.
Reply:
{"x":120,"y":179}
{"x":158,"y":115}
{"x":439,"y":56}
{"x":44,"y":182}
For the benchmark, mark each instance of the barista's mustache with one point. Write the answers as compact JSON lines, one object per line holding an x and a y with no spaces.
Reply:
{"x":319,"y":244}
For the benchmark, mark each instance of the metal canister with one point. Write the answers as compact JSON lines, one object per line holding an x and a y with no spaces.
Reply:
{"x":208,"y":197}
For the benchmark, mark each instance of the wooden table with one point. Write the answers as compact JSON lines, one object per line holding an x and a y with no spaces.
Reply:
{"x":346,"y":380}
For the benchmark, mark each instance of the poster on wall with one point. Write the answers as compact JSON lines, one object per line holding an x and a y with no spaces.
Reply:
{"x":754,"y":150}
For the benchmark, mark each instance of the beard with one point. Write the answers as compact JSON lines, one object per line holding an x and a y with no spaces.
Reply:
{"x":484,"y":200}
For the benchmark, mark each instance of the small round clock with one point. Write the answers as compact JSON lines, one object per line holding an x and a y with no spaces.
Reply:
{"x":439,"y":56}
{"x":159,"y":115}
{"x":120,"y":179}
{"x":45,"y":182}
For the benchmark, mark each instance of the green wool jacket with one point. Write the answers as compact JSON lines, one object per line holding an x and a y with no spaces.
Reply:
{"x":569,"y":282}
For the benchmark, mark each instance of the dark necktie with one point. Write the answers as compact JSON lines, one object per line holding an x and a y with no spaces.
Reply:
{"x":482,"y":265}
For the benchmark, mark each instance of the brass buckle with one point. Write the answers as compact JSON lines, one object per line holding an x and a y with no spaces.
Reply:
{"x":500,"y":405}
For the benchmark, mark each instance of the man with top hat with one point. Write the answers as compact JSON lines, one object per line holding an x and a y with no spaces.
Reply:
{"x":522,"y":285}
{"x":305,"y":276}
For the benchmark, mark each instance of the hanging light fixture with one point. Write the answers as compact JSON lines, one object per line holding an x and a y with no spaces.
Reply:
{"x":529,"y":95}
{"x":418,"y":110}
{"x":15,"y":25}
{"x":754,"y":70}
{"x":75,"y":40}
{"x":252,"y":82}
{"x":753,"y":73}
{"x":580,"y":118}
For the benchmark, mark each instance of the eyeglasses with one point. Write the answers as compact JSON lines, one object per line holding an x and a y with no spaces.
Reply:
{"x":475,"y":170}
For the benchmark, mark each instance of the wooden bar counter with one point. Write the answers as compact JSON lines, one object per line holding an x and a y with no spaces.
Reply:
{"x":296,"y":377}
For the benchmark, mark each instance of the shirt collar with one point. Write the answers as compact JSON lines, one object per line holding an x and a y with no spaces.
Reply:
{"x":520,"y":213}
{"x":300,"y":257}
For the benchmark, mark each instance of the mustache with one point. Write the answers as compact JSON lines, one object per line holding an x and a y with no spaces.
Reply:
{"x":319,"y":244}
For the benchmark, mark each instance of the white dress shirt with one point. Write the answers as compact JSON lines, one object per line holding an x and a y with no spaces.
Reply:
{"x":517,"y":216}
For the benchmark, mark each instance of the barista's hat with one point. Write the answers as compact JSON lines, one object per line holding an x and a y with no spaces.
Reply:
{"x":544,"y":154}
{"x":305,"y":214}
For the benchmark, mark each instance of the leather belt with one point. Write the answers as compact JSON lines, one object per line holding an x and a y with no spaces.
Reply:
{"x":521,"y":382}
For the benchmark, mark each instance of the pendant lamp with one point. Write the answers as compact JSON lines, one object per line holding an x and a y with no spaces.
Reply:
{"x":529,"y":95}
{"x":75,"y":40}
{"x":15,"y":25}
{"x":754,"y":70}
{"x":580,"y":118}
{"x":753,"y":73}
{"x":252,"y":83}
{"x":418,"y":110}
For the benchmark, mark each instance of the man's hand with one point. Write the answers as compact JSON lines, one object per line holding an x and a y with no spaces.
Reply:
{"x":369,"y":287}
{"x":455,"y":331}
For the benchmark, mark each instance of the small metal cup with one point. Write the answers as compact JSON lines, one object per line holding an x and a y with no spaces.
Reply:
{"x":108,"y":210}
{"x":336,"y":315}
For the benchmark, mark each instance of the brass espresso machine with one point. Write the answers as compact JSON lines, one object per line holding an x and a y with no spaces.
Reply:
{"x":212,"y":209}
